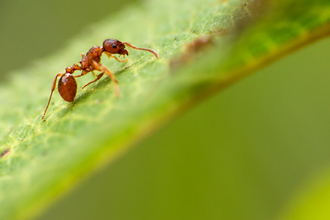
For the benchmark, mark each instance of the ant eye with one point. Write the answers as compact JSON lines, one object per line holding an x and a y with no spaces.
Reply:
{"x":114,"y":45}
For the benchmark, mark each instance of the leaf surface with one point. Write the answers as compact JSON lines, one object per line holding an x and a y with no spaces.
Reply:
{"x":203,"y":46}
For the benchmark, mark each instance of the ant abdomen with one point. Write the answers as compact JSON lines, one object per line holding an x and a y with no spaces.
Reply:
{"x":67,"y":87}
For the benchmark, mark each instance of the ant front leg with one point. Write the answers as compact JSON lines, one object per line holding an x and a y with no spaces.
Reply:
{"x":51,"y":93}
{"x":113,"y":56}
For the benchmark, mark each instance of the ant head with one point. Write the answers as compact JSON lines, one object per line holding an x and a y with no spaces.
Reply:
{"x":114,"y":46}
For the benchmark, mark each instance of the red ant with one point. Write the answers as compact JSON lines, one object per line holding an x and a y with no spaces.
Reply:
{"x":67,"y":85}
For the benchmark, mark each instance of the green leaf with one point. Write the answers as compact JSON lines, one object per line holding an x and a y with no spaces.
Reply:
{"x":203,"y":47}
{"x":312,"y":202}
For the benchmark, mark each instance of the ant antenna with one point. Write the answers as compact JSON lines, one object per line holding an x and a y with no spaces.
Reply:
{"x":138,"y":48}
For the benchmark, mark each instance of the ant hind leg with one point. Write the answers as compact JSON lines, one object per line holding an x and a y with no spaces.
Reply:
{"x":84,"y":72}
{"x":51,"y":93}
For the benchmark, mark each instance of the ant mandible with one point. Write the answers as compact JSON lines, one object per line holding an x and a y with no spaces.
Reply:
{"x":67,"y":85}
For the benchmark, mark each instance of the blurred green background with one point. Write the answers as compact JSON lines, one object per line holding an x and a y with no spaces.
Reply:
{"x":33,"y":29}
{"x":245,"y":153}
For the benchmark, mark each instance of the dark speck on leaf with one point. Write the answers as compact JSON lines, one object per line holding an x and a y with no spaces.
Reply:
{"x":5,"y":152}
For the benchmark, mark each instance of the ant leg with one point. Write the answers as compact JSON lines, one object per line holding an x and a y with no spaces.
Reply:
{"x":84,"y":72}
{"x":112,"y":77}
{"x":119,"y":60}
{"x":97,"y":78}
{"x":109,"y":73}
{"x":101,"y":67}
{"x":51,"y":93}
{"x":138,"y":48}
{"x":110,"y":55}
